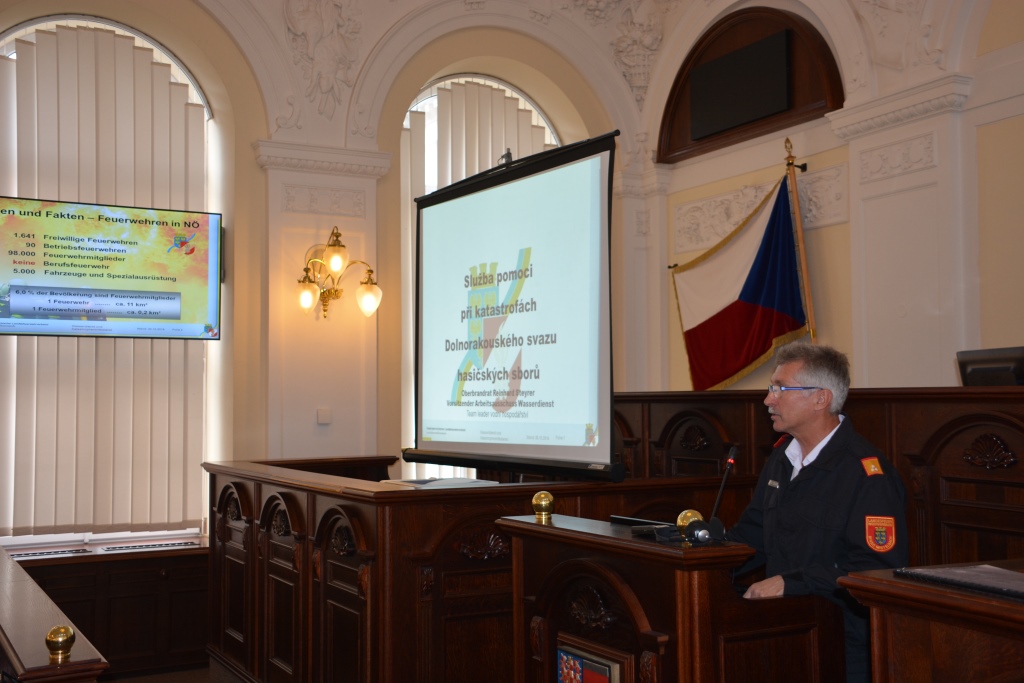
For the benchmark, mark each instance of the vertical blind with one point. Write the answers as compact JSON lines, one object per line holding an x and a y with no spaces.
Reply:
{"x":99,"y":435}
{"x":462,"y":132}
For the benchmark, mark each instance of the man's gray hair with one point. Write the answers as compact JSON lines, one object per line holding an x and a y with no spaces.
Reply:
{"x":824,"y":367}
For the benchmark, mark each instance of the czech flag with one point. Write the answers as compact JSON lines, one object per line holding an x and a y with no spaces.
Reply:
{"x":741,"y":299}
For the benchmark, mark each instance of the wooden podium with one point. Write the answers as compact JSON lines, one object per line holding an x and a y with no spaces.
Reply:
{"x":639,"y":611}
{"x":934,"y":633}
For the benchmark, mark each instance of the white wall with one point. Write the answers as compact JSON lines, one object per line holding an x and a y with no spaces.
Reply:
{"x":905,"y":260}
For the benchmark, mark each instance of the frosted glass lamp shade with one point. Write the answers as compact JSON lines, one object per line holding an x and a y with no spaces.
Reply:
{"x":309,"y":295}
{"x":368,"y":296}
{"x":336,"y":258}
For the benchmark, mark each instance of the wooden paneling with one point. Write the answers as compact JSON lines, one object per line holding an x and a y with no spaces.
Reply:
{"x":394,"y":584}
{"x":957,"y":450}
{"x":382,"y":583}
{"x":144,"y":611}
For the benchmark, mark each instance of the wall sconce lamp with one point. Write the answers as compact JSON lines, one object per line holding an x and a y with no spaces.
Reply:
{"x":326,"y":264}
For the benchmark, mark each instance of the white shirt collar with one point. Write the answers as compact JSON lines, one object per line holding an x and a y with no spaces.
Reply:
{"x":798,"y":459}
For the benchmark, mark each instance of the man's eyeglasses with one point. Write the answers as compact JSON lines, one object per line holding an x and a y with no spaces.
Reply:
{"x":776,"y":390}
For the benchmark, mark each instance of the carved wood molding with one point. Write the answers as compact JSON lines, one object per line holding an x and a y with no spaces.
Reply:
{"x":342,"y":543}
{"x":279,"y":525}
{"x":484,"y":544}
{"x":694,"y":438}
{"x":538,"y":637}
{"x":232,"y":511}
{"x":364,"y":580}
{"x":989,"y":451}
{"x":426,"y":582}
{"x":222,"y":529}
{"x":317,"y":562}
{"x":648,"y":667}
{"x":588,"y":608}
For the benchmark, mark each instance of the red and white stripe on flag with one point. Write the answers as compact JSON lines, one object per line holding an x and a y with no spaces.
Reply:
{"x":742,"y":297}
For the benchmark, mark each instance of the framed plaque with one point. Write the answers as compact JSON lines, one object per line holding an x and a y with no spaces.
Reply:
{"x":578,"y":662}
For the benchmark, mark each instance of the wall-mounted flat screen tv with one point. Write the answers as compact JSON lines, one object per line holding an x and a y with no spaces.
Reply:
{"x":90,"y":270}
{"x":513,"y":363}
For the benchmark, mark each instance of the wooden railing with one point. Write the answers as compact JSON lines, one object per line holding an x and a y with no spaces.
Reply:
{"x":35,"y":643}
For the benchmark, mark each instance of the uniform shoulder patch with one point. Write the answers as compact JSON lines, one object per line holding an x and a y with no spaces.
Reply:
{"x":782,"y":440}
{"x":871,"y":466}
{"x":880,"y":533}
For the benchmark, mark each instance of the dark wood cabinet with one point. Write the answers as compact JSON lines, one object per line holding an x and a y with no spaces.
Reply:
{"x":143,"y":610}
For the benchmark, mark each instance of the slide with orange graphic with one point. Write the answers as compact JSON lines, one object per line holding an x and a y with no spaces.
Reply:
{"x":77,"y":269}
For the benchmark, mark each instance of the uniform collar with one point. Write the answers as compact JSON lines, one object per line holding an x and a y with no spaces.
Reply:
{"x":826,"y":458}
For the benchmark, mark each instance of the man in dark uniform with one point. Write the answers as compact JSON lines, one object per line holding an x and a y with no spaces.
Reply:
{"x":828,"y":502}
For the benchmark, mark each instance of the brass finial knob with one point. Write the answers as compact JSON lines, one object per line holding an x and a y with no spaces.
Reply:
{"x":543,"y":504}
{"x":59,"y":641}
{"x":684,"y":519}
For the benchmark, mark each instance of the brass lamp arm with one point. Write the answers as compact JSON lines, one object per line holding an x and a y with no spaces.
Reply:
{"x":336,"y":280}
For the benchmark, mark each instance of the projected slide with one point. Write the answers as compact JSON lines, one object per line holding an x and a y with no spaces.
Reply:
{"x":511,"y":312}
{"x":90,"y":270}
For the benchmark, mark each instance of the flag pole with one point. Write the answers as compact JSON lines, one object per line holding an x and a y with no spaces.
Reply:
{"x":791,"y":167}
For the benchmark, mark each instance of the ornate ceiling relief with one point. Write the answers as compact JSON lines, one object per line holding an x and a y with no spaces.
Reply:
{"x":324,"y":40}
{"x":898,"y":158}
{"x":540,"y":10}
{"x":637,"y":45}
{"x":294,"y":117}
{"x":596,"y":11}
{"x":896,"y":28}
{"x":858,"y":73}
{"x":329,"y":201}
{"x":703,"y":223}
{"x":635,"y":37}
{"x":824,"y":197}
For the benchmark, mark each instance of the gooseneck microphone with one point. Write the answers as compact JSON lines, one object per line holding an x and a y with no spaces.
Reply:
{"x":728,"y":468}
{"x":690,"y":525}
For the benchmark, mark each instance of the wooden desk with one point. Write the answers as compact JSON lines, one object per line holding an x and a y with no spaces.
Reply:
{"x":659,"y":612}
{"x":930,"y":633}
{"x":145,"y":609}
{"x":320,"y":577}
{"x":26,"y":616}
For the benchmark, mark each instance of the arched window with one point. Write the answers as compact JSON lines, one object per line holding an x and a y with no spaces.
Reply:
{"x":100,"y":435}
{"x":457,"y":127}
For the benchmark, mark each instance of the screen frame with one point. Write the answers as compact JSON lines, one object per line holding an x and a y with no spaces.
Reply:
{"x":494,"y":459}
{"x":1008,"y":360}
{"x":218,"y":268}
